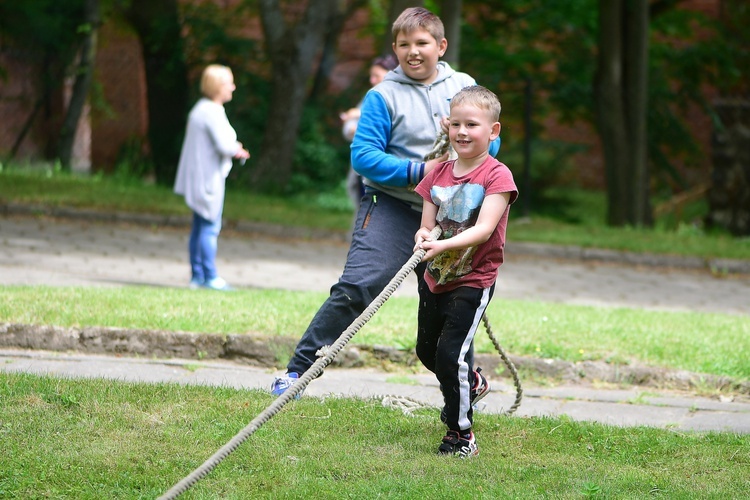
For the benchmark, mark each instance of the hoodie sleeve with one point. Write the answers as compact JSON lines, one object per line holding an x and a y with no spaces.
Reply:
{"x":495,"y":147}
{"x":368,"y":154}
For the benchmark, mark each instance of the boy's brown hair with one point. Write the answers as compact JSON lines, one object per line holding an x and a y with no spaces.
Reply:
{"x":418,"y":17}
{"x":480,"y":97}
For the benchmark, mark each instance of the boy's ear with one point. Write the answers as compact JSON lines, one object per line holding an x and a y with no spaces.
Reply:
{"x":495,"y":131}
{"x":442,"y":47}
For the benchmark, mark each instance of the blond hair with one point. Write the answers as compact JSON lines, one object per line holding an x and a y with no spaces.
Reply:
{"x":415,"y":18}
{"x":212,"y":79}
{"x":479,"y":97}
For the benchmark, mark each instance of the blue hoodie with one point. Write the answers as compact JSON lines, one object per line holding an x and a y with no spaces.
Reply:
{"x":398,"y":127}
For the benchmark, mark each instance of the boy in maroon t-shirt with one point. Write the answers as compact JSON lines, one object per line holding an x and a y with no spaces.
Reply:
{"x":469,"y":198}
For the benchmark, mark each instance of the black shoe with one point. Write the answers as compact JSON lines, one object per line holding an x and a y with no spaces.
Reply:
{"x":454,"y":444}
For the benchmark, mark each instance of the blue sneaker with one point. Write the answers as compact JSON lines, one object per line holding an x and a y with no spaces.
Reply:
{"x":281,"y":384}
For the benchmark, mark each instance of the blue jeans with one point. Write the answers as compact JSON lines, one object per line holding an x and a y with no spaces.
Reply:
{"x":382,"y":242}
{"x":202,"y":248}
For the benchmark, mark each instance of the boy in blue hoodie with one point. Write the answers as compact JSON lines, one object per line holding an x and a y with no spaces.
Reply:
{"x":401,"y":118}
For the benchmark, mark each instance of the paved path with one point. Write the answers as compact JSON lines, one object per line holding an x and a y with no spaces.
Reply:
{"x":64,"y":252}
{"x":631,"y":407}
{"x":57,"y":252}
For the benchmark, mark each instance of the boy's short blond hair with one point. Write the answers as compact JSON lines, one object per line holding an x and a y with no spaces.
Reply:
{"x":415,"y":18}
{"x":212,"y":78}
{"x":480,"y":97}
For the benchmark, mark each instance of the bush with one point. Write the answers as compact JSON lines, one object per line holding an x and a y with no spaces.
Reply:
{"x":319,"y":164}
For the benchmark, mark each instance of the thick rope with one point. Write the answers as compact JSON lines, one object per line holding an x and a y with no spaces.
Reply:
{"x":313,"y":372}
{"x":508,"y":363}
{"x":439,"y":148}
{"x":408,"y":405}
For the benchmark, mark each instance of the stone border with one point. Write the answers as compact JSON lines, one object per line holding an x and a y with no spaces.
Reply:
{"x":268,"y":352}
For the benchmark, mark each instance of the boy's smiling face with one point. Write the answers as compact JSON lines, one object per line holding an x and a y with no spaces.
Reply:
{"x":471,"y":130}
{"x":418,"y":54}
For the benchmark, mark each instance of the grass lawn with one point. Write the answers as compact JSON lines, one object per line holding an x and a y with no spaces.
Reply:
{"x":712,"y":343}
{"x":562,"y":216}
{"x":91,"y":439}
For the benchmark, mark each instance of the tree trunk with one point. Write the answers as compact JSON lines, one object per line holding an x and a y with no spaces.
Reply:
{"x":292,"y":49}
{"x":620,"y":92}
{"x":609,"y":108}
{"x":81,"y":85}
{"x":157,"y":24}
{"x":636,"y":64}
{"x":450,"y":13}
{"x":328,"y":58}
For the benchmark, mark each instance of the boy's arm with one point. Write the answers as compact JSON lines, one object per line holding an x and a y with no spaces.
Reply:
{"x":429,"y":221}
{"x":493,"y":207}
{"x":369,"y":158}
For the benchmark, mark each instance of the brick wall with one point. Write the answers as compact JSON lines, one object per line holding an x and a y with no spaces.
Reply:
{"x":124,"y":116}
{"x":17,"y":101}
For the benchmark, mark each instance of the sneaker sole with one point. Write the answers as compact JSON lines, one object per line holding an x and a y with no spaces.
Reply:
{"x":483,"y":394}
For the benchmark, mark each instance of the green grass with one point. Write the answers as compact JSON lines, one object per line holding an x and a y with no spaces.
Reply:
{"x":91,"y":439}
{"x":711,"y":343}
{"x":562,"y":216}
{"x":101,"y":193}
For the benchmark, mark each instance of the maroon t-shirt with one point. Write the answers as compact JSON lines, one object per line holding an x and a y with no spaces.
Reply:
{"x":459,"y":200}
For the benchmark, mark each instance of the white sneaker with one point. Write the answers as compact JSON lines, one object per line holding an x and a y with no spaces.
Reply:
{"x":217,"y":284}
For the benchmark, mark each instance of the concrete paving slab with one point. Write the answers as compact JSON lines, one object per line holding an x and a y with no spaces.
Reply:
{"x":663,"y":410}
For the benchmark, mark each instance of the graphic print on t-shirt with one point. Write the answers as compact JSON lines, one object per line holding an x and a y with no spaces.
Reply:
{"x":458,"y":209}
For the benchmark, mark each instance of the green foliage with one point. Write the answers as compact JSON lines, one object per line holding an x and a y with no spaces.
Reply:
{"x":555,"y":48}
{"x":133,"y":163}
{"x":551,"y":163}
{"x":42,"y":27}
{"x":318,"y":164}
{"x":736,"y":36}
{"x":216,"y":37}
